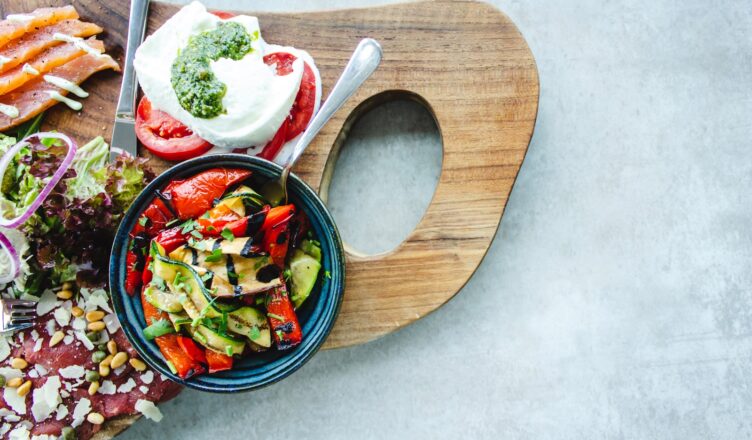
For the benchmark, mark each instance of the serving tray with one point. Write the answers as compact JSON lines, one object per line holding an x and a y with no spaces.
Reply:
{"x":465,"y":61}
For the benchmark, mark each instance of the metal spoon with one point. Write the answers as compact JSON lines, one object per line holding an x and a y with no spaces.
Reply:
{"x":363,"y":62}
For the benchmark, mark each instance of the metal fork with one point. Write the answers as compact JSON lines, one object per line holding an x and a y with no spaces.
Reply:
{"x":16,"y":314}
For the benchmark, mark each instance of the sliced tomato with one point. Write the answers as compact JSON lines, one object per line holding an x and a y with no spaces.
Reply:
{"x":302,"y":108}
{"x":165,"y":136}
{"x":224,"y":15}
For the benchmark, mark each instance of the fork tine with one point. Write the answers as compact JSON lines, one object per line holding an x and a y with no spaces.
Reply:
{"x":21,"y":318}
{"x":22,"y":310}
{"x":17,"y":327}
{"x":19,"y":302}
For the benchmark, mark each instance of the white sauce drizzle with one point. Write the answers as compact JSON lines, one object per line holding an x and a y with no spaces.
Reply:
{"x":66,"y":85}
{"x":9,"y":110}
{"x":78,"y":42}
{"x":19,"y":17}
{"x":75,"y":105}
{"x":28,"y":69}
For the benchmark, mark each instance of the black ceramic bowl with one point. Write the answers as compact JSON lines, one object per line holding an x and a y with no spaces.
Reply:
{"x":316,"y":315}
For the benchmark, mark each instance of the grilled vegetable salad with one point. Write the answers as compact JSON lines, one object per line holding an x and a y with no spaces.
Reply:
{"x":221,"y":270}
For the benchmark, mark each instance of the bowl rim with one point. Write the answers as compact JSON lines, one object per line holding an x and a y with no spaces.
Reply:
{"x":291,"y":360}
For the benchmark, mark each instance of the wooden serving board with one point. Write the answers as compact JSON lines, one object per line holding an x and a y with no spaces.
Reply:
{"x":464,"y":60}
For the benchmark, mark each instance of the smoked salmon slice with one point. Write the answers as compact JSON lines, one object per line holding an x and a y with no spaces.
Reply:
{"x":15,"y":25}
{"x":31,"y":44}
{"x":34,"y":97}
{"x":43,"y":63}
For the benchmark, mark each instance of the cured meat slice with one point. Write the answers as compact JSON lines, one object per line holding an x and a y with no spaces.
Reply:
{"x":31,"y":44}
{"x":15,"y":25}
{"x":43,"y":63}
{"x":34,"y":97}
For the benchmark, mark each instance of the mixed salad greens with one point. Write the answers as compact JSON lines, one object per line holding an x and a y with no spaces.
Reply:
{"x":221,"y":269}
{"x":67,"y":203}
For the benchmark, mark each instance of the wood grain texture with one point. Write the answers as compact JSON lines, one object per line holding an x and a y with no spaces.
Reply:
{"x":464,"y":60}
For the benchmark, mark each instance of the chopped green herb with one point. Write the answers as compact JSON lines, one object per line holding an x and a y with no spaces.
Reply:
{"x":263,"y":261}
{"x":255,"y":333}
{"x":229,"y":350}
{"x":277,"y":317}
{"x":211,"y":228}
{"x":172,"y":222}
{"x":188,"y":226}
{"x":287,"y":274}
{"x":197,"y":234}
{"x":172,"y":367}
{"x":260,"y":300}
{"x":205,"y":215}
{"x":328,"y":274}
{"x":280,"y":335}
{"x":143,"y":220}
{"x":215,"y":256}
{"x":227,"y":234}
{"x":207,"y":276}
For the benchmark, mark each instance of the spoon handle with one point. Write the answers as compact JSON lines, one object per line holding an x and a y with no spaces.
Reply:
{"x":362,"y":64}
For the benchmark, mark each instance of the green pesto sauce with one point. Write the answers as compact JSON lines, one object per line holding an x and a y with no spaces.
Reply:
{"x":198,"y":90}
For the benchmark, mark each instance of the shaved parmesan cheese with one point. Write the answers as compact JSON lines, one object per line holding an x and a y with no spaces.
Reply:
{"x":111,"y":322}
{"x":46,"y":399}
{"x":40,"y":369}
{"x":5,"y":428}
{"x":14,"y":401}
{"x":149,"y":410}
{"x":38,"y":345}
{"x":127,"y":386}
{"x":68,"y":339}
{"x":62,"y":412}
{"x":118,"y":371}
{"x":107,"y":387}
{"x":79,"y":324}
{"x":98,"y":298}
{"x":62,"y":316}
{"x":5,"y":412}
{"x":34,"y":335}
{"x":72,"y":372}
{"x":47,"y":302}
{"x":82,"y":409}
{"x":33,"y":374}
{"x":10,"y":373}
{"x":20,"y":433}
{"x":4,"y":348}
{"x":81,"y":336}
{"x":50,"y":327}
{"x":144,"y":389}
{"x":147,"y":377}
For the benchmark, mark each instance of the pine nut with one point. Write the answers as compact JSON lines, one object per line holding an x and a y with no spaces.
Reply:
{"x":106,"y":362}
{"x":104,"y":370}
{"x":94,"y":315}
{"x":119,"y":360}
{"x":15,"y":382}
{"x":19,"y":363}
{"x":96,"y":326}
{"x":137,"y":364}
{"x":93,"y":388}
{"x":95,"y":418}
{"x":24,"y":389}
{"x":112,"y":347}
{"x":56,"y":338}
{"x":65,"y":294}
{"x":77,"y":311}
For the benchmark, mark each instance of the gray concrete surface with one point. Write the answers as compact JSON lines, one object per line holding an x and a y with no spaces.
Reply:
{"x":615,"y":300}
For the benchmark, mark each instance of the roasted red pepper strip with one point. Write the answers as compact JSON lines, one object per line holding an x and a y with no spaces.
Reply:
{"x":147,"y":275}
{"x":192,"y":350}
{"x":171,"y":239}
{"x":169,"y":345}
{"x":282,"y":319}
{"x":195,"y":195}
{"x":132,"y":272}
{"x":218,"y":361}
{"x":276,"y":232}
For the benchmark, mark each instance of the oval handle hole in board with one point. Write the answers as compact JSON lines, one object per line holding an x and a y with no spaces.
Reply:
{"x":385,"y":172}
